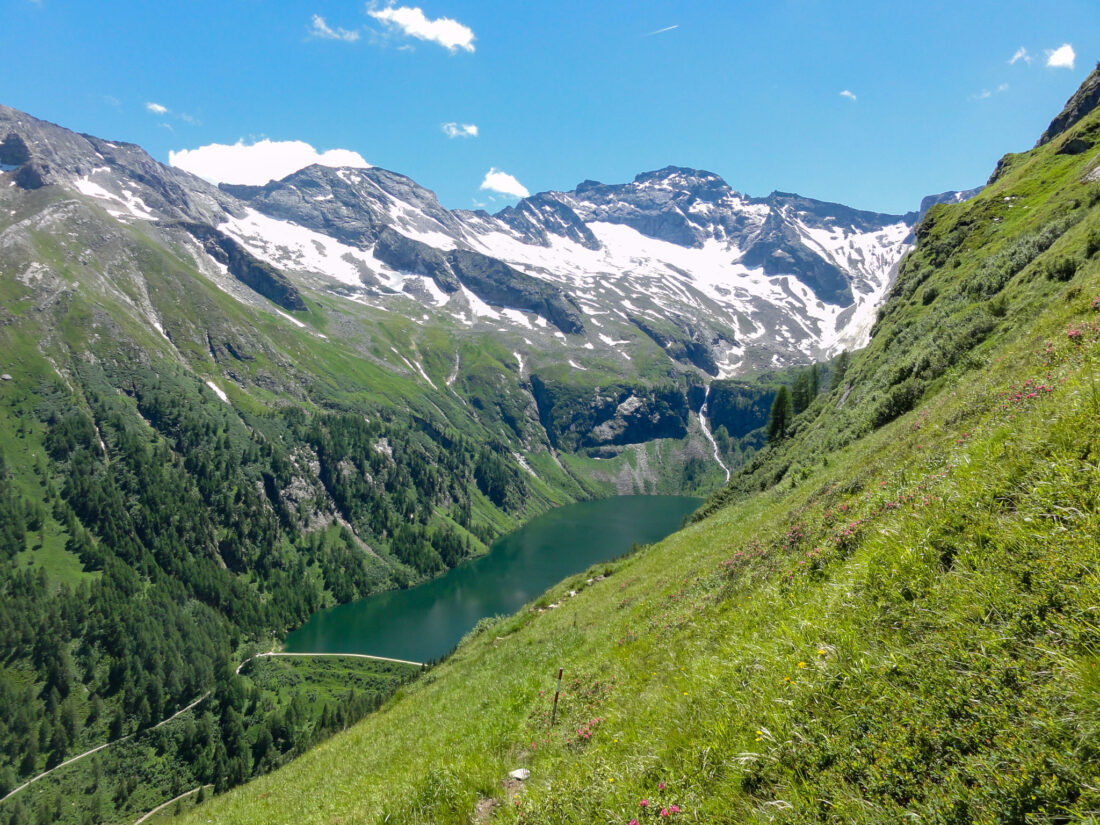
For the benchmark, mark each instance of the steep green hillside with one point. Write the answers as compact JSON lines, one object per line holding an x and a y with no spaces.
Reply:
{"x":889,"y":615}
{"x":173,"y":492}
{"x":197,"y":451}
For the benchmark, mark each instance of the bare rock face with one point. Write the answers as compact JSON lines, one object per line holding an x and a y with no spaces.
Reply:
{"x":14,"y":151}
{"x":247,"y":269}
{"x":497,"y":283}
{"x":352,"y":205}
{"x":1083,"y":101}
{"x":43,"y":154}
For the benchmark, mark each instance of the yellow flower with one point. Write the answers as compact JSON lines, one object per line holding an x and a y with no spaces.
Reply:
{"x":821,"y":651}
{"x":802,"y":664}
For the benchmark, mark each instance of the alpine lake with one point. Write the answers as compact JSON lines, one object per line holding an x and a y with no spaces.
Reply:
{"x":425,"y":622}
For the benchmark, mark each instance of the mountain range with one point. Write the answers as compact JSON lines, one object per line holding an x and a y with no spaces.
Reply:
{"x":720,"y":281}
{"x":224,"y":408}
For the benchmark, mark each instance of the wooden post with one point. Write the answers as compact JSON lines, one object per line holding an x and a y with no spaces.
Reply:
{"x":554,"y":715}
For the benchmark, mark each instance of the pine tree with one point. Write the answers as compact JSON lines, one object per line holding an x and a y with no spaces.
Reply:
{"x":840,"y":369}
{"x":781,"y":416}
{"x":800,"y":393}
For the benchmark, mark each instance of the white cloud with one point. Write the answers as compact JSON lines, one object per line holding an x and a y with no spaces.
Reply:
{"x":505,"y":184}
{"x":259,"y":162}
{"x":448,"y":33}
{"x":322,"y":30}
{"x":156,"y":108}
{"x":985,"y":93}
{"x":1021,"y":54}
{"x":662,"y":31}
{"x":455,"y":130}
{"x":1064,"y":57}
{"x":850,"y":95}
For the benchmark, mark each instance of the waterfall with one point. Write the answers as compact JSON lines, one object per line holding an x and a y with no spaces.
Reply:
{"x":707,"y":433}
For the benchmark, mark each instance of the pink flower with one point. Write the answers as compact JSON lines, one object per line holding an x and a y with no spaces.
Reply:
{"x":644,"y":803}
{"x":664,"y":811}
{"x":633,"y":822}
{"x":660,"y":786}
{"x":674,"y":809}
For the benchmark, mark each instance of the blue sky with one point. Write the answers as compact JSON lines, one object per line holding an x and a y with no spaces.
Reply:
{"x":564,"y":91}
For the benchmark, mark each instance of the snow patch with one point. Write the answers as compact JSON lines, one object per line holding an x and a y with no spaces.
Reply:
{"x":522,"y":462}
{"x":218,"y":391}
{"x":291,"y":318}
{"x":289,"y":246}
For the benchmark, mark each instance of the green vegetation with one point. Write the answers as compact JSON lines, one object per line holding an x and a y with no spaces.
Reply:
{"x":781,"y":416}
{"x":888,"y":615}
{"x":249,"y":725}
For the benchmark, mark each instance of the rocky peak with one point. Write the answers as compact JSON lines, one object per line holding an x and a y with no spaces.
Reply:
{"x":817,"y":213}
{"x":350,"y":204}
{"x":1083,"y":101}
{"x":958,"y":196}
{"x":43,"y":154}
{"x":539,"y":216}
{"x":675,"y":204}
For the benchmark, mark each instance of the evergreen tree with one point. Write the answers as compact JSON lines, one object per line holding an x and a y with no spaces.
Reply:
{"x":782,"y":415}
{"x":800,"y":393}
{"x":840,"y":369}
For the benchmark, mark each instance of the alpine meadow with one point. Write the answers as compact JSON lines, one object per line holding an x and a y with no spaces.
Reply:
{"x":236,"y":406}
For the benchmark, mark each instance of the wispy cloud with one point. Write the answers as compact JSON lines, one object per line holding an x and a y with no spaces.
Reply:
{"x":459,"y":130}
{"x":850,"y":95}
{"x":1021,"y":54}
{"x":156,"y":108}
{"x":259,"y":162}
{"x":986,"y":93}
{"x":662,"y":31}
{"x":412,"y":22}
{"x":1064,"y":57}
{"x":322,"y":30}
{"x":505,"y":184}
{"x":111,"y":100}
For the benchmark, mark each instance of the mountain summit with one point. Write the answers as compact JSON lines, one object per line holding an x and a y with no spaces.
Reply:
{"x":720,"y":282}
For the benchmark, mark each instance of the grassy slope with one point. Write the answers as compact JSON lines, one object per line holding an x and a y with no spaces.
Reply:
{"x":901,"y":624}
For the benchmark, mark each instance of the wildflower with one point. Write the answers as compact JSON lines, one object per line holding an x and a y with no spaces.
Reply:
{"x":644,"y":803}
{"x":633,"y":822}
{"x":821,"y":651}
{"x":664,"y":811}
{"x":802,"y":664}
{"x":660,"y":786}
{"x":674,"y":809}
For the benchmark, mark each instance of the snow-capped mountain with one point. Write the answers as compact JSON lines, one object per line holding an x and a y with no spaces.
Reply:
{"x":721,"y":282}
